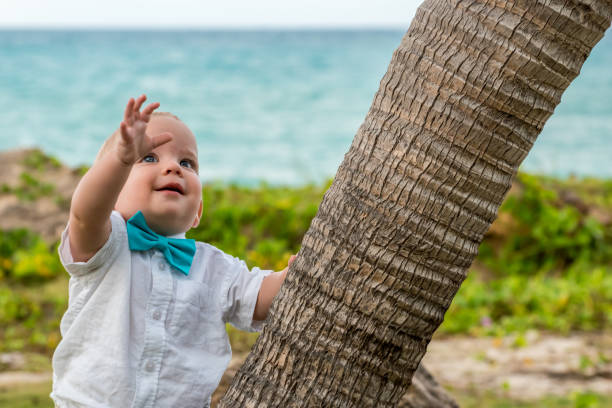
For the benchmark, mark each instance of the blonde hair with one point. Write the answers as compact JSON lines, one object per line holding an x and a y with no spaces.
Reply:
{"x":107,"y":142}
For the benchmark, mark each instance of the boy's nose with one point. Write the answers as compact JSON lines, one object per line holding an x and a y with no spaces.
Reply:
{"x":172,"y":167}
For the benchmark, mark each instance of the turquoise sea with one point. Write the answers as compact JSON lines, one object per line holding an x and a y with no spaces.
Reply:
{"x":277,"y":106}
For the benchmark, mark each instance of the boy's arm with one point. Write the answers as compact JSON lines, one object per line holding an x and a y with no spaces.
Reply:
{"x":97,"y":192}
{"x":269,"y":288}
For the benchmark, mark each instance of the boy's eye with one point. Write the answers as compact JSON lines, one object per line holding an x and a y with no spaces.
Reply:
{"x":149,"y":158}
{"x":186,"y":163}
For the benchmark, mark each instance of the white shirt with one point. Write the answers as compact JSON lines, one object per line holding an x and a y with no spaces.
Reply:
{"x":139,"y":333}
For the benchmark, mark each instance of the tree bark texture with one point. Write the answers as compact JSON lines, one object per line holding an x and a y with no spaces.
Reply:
{"x":464,"y":98}
{"x":425,"y":392}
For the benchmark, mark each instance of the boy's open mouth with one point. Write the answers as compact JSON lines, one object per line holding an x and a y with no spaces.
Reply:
{"x":172,"y":187}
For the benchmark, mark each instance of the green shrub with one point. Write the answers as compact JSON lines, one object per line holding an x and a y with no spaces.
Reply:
{"x":578,"y":300}
{"x":547,"y":234}
{"x":15,"y":307}
{"x":11,"y":242}
{"x":26,"y":258}
{"x":262,"y":225}
{"x":37,"y":263}
{"x":550,"y":269}
{"x":38,"y":160}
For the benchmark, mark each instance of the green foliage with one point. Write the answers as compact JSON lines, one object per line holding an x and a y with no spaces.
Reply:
{"x":36,"y":263}
{"x":81,"y":170}
{"x":34,"y":395}
{"x":241,"y":341}
{"x":592,"y":191}
{"x":579,"y":300}
{"x":548,"y":267}
{"x":15,"y":307}
{"x":30,"y":316}
{"x":587,"y":400}
{"x":38,"y":160}
{"x":29,"y":188}
{"x":26,"y":258}
{"x":546,"y":235}
{"x":263,"y":225}
{"x":10,"y":243}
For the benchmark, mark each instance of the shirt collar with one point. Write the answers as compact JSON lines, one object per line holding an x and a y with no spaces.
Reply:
{"x":180,"y":235}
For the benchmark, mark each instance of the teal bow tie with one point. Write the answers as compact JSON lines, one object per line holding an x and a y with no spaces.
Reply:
{"x":178,"y":252}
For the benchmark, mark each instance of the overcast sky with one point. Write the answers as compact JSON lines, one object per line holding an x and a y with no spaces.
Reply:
{"x":194,"y":13}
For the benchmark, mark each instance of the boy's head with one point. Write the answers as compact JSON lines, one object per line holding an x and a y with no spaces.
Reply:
{"x":164,"y":184}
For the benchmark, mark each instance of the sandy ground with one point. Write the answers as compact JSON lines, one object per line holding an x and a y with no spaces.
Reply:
{"x":546,"y":365}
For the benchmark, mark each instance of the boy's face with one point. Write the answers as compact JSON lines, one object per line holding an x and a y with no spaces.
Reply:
{"x":164,"y":184}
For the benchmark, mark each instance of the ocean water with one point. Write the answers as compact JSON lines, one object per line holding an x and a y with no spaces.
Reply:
{"x":274,"y":106}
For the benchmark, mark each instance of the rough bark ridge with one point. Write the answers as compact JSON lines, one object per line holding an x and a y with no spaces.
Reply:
{"x":425,"y":392}
{"x":464,"y":98}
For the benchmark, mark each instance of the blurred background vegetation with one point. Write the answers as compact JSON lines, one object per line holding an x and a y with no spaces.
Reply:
{"x":544,"y":265}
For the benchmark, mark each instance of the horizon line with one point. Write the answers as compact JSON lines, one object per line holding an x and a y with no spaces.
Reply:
{"x":243,"y":27}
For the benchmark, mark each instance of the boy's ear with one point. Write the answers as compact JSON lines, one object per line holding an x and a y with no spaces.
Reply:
{"x":196,"y":222}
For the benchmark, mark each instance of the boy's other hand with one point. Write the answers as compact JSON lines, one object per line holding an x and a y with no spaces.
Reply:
{"x":268,"y":290}
{"x":291,"y":259}
{"x":284,"y":271}
{"x":134,"y":142}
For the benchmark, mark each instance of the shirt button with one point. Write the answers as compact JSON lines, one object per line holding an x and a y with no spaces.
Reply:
{"x":156,"y":315}
{"x":161,"y":265}
{"x":149,"y":366}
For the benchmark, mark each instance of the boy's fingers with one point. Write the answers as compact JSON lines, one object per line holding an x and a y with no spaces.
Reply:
{"x":150,"y":108}
{"x":124,"y":133}
{"x":160,"y":139}
{"x":291,"y":259}
{"x":146,"y":112}
{"x":128,"y":116}
{"x":139,"y":102}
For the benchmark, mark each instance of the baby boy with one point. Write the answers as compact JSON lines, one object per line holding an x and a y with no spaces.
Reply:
{"x":145,"y":325}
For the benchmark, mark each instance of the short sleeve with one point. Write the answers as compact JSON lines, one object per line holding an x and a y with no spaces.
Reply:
{"x":108,"y":251}
{"x":240,"y":290}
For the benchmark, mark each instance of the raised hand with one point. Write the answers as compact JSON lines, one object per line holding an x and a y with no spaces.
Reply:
{"x":134,"y":142}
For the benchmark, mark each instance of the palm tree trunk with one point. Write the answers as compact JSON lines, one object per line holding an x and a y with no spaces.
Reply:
{"x":464,"y":98}
{"x":425,"y":392}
